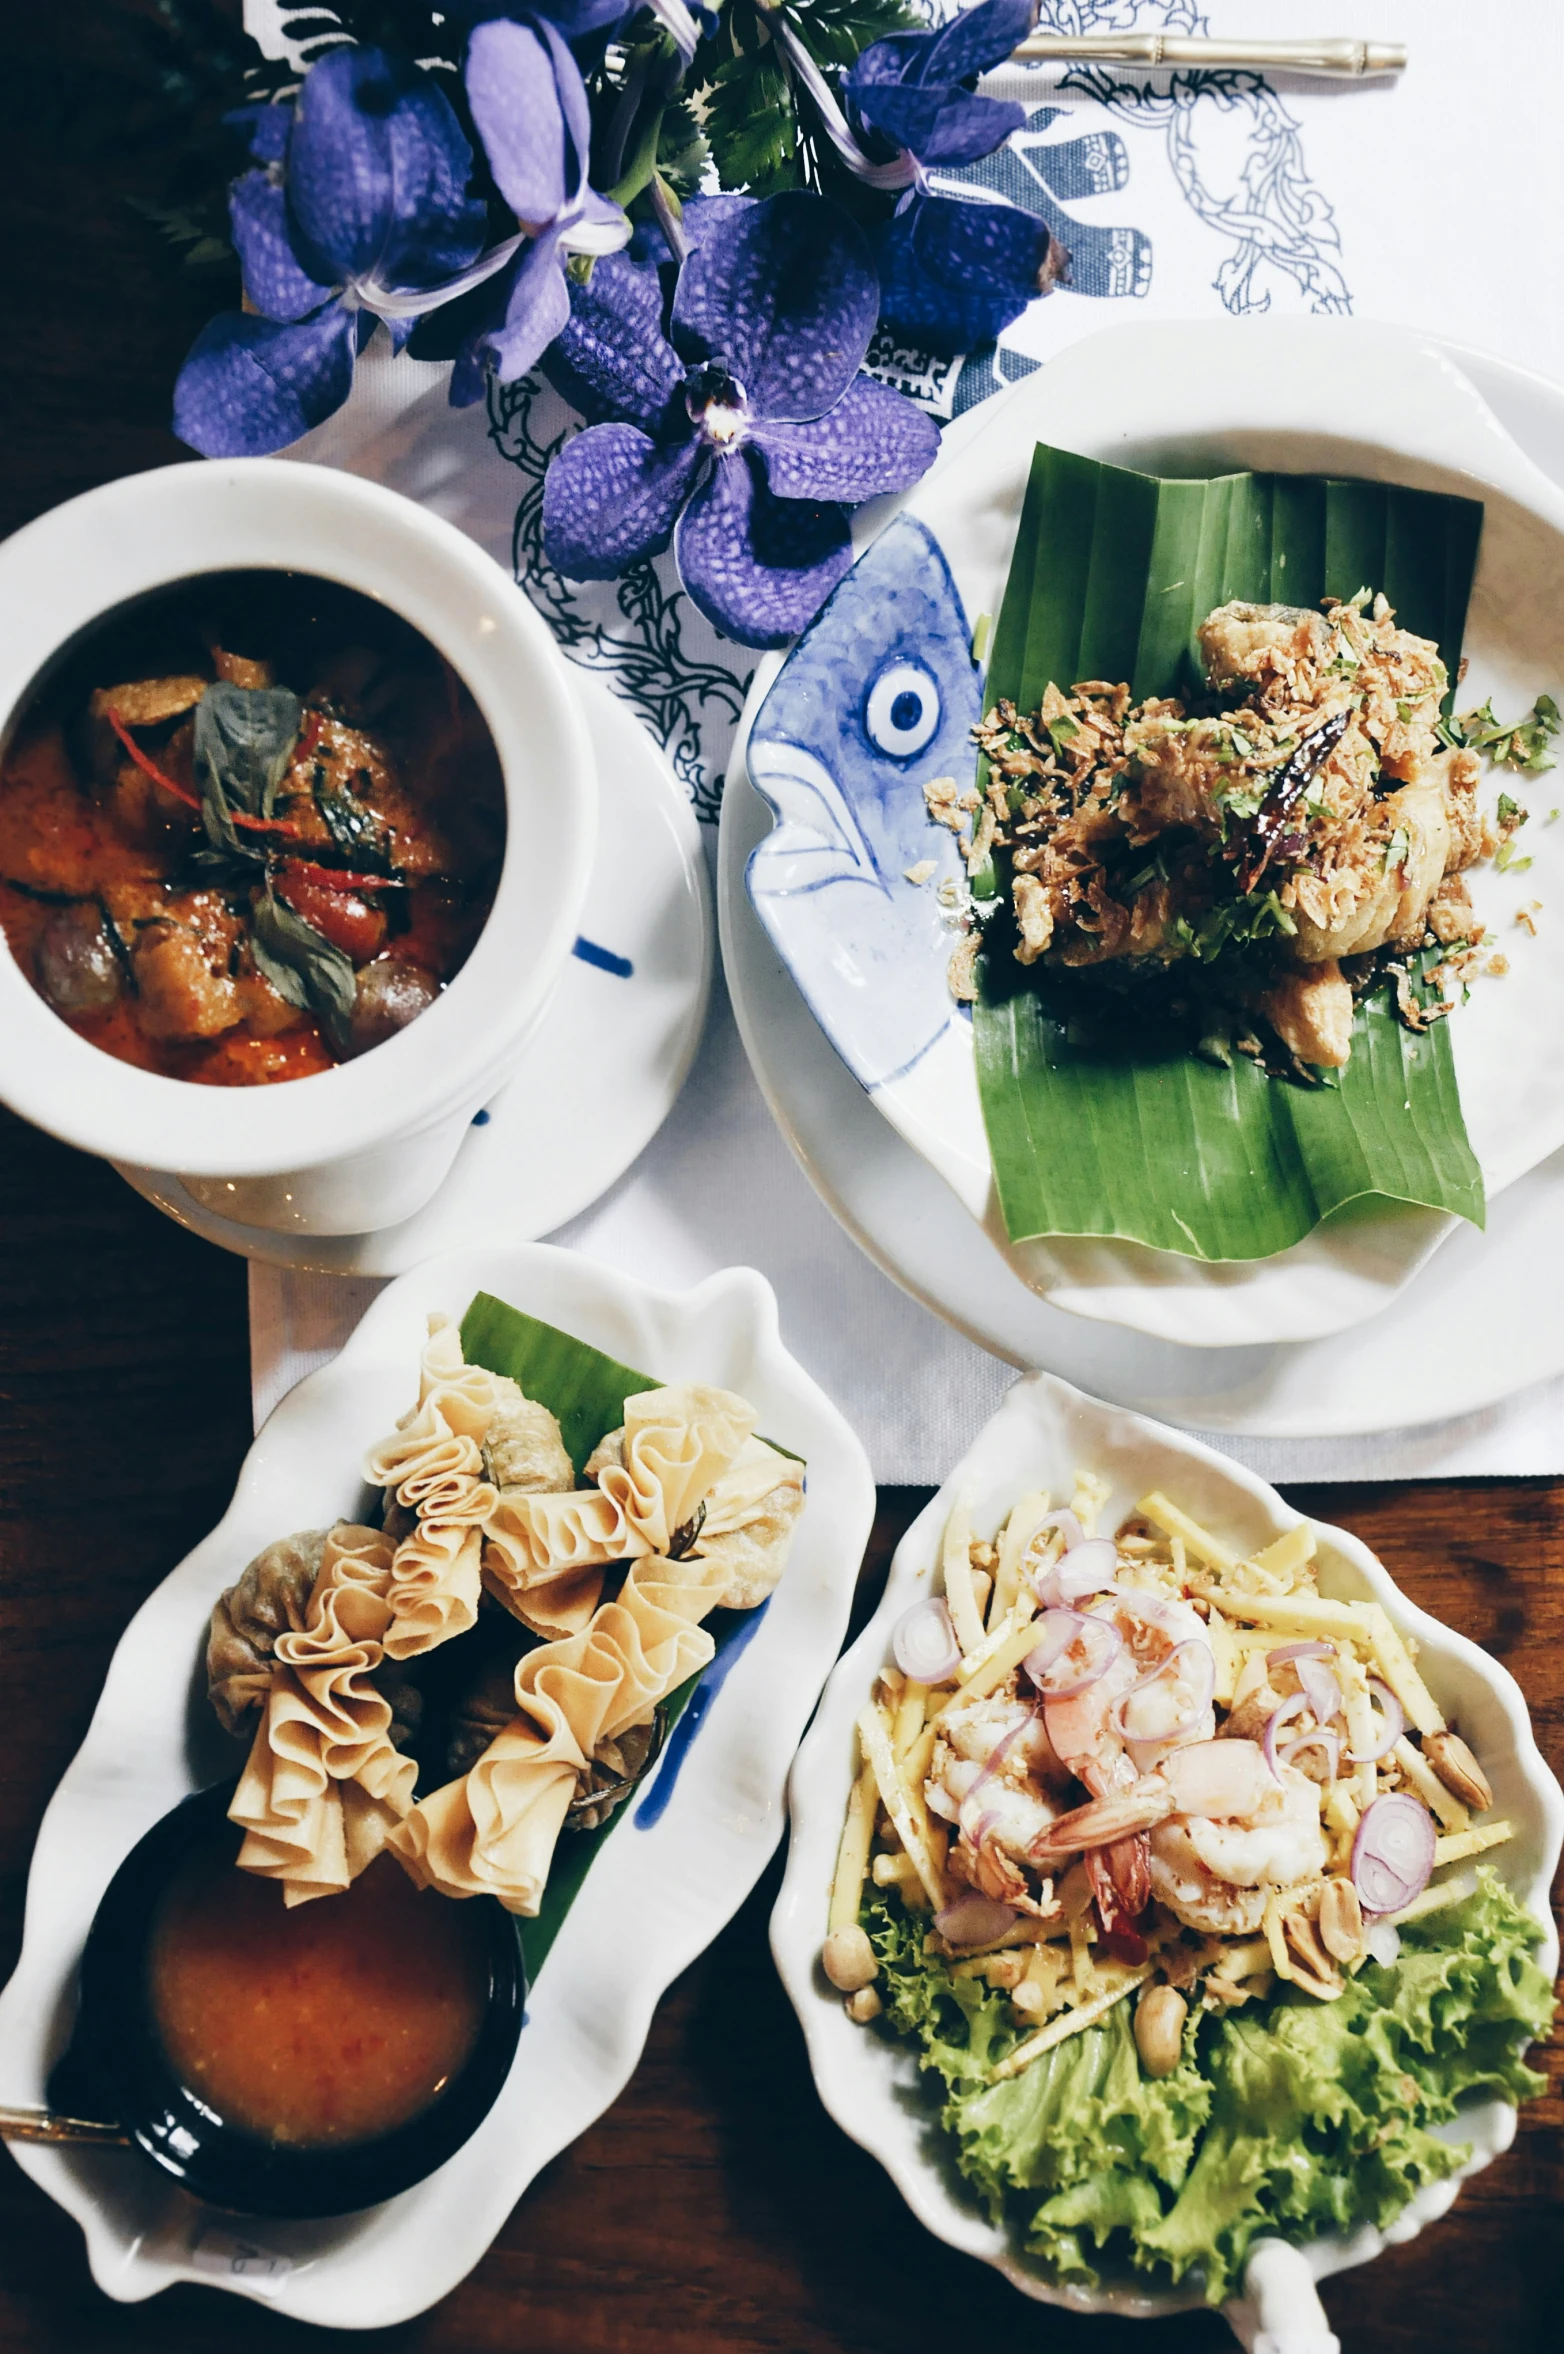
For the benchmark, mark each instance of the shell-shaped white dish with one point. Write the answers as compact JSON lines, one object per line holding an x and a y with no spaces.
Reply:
{"x":1302,"y":395}
{"x":656,"y":1895}
{"x":1041,"y":1435}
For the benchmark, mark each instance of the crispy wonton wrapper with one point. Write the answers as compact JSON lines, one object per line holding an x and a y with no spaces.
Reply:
{"x":493,"y":1832}
{"x":324,"y":1785}
{"x":468,"y":1424}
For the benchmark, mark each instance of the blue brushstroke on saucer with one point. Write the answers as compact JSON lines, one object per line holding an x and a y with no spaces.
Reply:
{"x":604,"y":959}
{"x":480,"y":1119}
{"x":876,"y":701}
{"x":654,"y":1805}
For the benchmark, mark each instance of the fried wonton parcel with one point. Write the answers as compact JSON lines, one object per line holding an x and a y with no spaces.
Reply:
{"x":324,"y":1785}
{"x":435,"y":1575}
{"x":747,"y":1525}
{"x":270,"y":1598}
{"x":543,"y":1556}
{"x":676,"y":1444}
{"x":523,"y":1451}
{"x":472,"y":1436}
{"x":494,"y":1831}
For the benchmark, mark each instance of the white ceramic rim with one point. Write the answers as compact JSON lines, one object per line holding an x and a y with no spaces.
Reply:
{"x":74,"y":566}
{"x":1000,"y":1464}
{"x":678,"y":1881}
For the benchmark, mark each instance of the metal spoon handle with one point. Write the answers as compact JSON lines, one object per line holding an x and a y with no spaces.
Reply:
{"x":45,"y":2125}
{"x":1350,"y":58}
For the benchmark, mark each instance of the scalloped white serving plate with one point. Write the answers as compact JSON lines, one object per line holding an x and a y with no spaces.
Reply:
{"x":1206,"y":397}
{"x":679,"y":1880}
{"x":872,"y":2086}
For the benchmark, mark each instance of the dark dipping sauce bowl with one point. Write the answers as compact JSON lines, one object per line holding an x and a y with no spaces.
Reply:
{"x":118,"y":2067}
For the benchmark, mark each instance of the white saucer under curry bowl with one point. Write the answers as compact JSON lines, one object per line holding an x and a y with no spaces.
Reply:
{"x":364,"y":1144}
{"x":1207,"y":397}
{"x":676,"y":1868}
{"x":604,"y":1066}
{"x":1042,"y":1434}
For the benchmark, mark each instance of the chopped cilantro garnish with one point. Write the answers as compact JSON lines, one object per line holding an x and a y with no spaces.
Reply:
{"x":1520,"y":743}
{"x":1062,"y":731}
{"x":1506,"y":861}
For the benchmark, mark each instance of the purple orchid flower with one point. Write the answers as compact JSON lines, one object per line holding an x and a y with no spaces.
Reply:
{"x":746,"y":433}
{"x":917,"y":87}
{"x":359,"y":210}
{"x":952,"y":271}
{"x":530,"y":108}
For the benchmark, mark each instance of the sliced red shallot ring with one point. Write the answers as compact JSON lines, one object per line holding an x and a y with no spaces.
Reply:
{"x":1322,"y":1690}
{"x":974,"y":1920}
{"x":924,"y":1642}
{"x":1087,"y":1568}
{"x":1060,"y":1631}
{"x":1325,"y":1740}
{"x":1393,"y":1853}
{"x":1156,"y":1609}
{"x":1184,"y":1684}
{"x":1067,"y":1524}
{"x":1393,"y":1719}
{"x":1274,"y":1723}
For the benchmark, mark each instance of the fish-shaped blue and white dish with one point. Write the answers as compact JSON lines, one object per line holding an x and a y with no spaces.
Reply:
{"x":877,"y":698}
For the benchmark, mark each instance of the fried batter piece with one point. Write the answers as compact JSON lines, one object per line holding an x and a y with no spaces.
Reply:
{"x":1317,"y":818}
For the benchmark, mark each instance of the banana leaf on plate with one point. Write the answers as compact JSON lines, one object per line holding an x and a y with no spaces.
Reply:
{"x":1112,"y":574}
{"x":585,"y":1391}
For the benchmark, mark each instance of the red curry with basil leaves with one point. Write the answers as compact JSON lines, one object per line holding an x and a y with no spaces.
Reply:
{"x":249,"y":829}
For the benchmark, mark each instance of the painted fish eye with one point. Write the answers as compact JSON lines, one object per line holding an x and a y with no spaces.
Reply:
{"x":902,"y":710}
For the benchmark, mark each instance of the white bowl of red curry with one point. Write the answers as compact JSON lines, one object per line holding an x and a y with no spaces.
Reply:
{"x":297,"y":814}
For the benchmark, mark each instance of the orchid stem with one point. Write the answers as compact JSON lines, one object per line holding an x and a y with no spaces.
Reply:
{"x":609,"y":166}
{"x":666,"y":206}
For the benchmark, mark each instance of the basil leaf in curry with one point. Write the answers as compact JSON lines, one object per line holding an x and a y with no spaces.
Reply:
{"x":244,"y":739}
{"x":304,"y":967}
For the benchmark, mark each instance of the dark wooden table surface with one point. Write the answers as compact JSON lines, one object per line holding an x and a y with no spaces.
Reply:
{"x":715,"y":2209}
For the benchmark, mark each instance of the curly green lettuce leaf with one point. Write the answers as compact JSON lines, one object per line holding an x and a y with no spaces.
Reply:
{"x":1289,"y":2117}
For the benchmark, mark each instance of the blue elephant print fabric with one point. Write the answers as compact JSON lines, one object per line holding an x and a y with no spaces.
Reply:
{"x":877,"y":700}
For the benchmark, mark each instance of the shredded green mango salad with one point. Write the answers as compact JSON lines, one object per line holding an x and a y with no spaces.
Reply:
{"x":1291,"y":2117}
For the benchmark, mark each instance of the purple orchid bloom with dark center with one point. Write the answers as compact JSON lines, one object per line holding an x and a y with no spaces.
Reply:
{"x":744,"y":434}
{"x":359,"y":210}
{"x":530,"y":109}
{"x":952,"y":271}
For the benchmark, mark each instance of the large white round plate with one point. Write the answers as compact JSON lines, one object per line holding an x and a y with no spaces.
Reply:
{"x":1042,"y":1434}
{"x":657,"y":1894}
{"x":608,"y":1058}
{"x":1209,"y":396}
{"x":1485,"y":1319}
